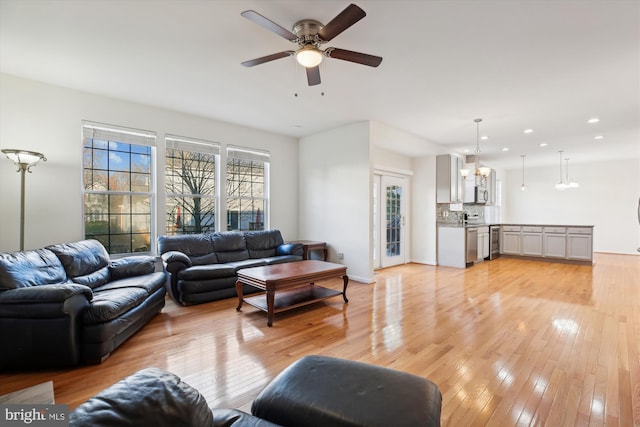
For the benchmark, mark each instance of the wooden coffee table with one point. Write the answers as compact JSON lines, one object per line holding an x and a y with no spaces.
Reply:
{"x":289,"y":285}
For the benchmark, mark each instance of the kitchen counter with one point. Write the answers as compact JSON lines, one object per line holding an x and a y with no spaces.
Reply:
{"x":466,"y":225}
{"x":548,"y":242}
{"x":556,"y":243}
{"x":546,"y":225}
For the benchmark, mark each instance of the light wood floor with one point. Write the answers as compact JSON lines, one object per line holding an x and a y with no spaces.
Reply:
{"x":508,"y":342}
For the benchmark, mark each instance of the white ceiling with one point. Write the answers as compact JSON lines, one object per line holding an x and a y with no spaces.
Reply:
{"x":545,"y":65}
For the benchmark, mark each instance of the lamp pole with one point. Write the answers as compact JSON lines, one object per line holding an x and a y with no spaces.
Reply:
{"x":22,"y":167}
{"x":24,"y":160}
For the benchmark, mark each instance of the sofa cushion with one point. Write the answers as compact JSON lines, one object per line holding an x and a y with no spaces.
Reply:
{"x":30,"y":268}
{"x":81,"y":258}
{"x":322,"y":391}
{"x":150,"y":397}
{"x":223,"y":417}
{"x":263,"y":244}
{"x":109,"y":303}
{"x":247,"y":263}
{"x":211,"y":258}
{"x":281,"y":259}
{"x":193,"y":245}
{"x":94,"y":279}
{"x":230,"y":246}
{"x":149,"y":282}
{"x":212,"y":271}
{"x":137,"y":265}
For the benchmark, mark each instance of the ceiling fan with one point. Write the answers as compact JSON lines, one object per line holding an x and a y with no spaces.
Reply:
{"x":309,"y":34}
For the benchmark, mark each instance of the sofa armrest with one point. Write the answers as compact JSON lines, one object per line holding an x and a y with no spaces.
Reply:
{"x":130,"y":266}
{"x":175,"y":261}
{"x":150,"y":397}
{"x":45,"y":294}
{"x":40,"y":325}
{"x":290,"y":249}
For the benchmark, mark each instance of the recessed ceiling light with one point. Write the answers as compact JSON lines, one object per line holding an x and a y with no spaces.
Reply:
{"x":543,"y":144}
{"x":593,"y":120}
{"x":528,"y":131}
{"x":466,"y":150}
{"x":598,"y":137}
{"x":505,"y":149}
{"x":484,"y":138}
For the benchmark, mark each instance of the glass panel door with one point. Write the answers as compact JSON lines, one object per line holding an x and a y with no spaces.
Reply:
{"x":392,"y":221}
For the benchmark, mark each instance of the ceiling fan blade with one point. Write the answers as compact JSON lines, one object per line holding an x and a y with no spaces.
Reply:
{"x":344,"y":20}
{"x":267,"y":58}
{"x":254,"y":16}
{"x":313,"y":75}
{"x":351,"y":56}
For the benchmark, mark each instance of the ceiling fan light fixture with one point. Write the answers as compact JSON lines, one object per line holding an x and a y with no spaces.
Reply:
{"x":309,"y":56}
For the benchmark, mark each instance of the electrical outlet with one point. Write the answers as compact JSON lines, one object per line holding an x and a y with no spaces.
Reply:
{"x":340,"y":255}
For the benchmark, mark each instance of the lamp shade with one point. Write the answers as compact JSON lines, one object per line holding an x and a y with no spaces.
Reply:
{"x":24,"y":157}
{"x":484,"y":171}
{"x":309,"y":56}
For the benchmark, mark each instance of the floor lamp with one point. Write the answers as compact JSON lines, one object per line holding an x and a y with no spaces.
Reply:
{"x":24,"y":160}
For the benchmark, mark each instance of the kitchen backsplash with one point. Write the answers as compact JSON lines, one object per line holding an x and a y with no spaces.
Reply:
{"x":447,"y":215}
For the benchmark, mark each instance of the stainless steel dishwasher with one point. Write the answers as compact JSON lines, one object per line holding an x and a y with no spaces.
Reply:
{"x":472,"y":245}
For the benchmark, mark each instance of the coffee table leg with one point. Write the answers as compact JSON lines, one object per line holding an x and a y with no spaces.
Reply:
{"x":239,"y":291}
{"x":345,"y":279}
{"x":270,"y":306}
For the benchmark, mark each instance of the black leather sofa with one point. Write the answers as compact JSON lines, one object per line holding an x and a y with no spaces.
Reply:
{"x":202,"y":267}
{"x":70,"y":303}
{"x":315,"y":391}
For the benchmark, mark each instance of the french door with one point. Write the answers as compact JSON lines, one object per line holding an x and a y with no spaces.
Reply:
{"x":389,"y":213}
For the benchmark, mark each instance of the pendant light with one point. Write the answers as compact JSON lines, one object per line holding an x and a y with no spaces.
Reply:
{"x":523,"y":188}
{"x":568,"y":183}
{"x":560,"y":185}
{"x":480,"y":170}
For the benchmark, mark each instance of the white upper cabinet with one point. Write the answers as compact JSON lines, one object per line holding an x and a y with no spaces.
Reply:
{"x":449,"y":182}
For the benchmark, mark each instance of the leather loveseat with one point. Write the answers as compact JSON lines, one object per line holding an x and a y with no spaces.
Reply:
{"x":315,"y":391}
{"x":202,"y":267}
{"x":70,"y":303}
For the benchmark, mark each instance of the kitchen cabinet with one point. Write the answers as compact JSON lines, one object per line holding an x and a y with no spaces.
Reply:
{"x":510,"y":243}
{"x":568,"y":243}
{"x":452,"y":246}
{"x":483,"y":243}
{"x":531,"y":241}
{"x":555,"y":242}
{"x":579,"y":243}
{"x":449,"y":182}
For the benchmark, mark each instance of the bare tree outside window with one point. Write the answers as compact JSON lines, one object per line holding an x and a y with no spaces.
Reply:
{"x":246,"y":195}
{"x":191,"y":193}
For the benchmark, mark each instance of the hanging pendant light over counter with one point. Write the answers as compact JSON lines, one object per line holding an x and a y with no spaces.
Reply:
{"x":483,"y":171}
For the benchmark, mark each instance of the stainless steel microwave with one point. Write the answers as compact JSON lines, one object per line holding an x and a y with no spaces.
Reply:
{"x":481,"y":194}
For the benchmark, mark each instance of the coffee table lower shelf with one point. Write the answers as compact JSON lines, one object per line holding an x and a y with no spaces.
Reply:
{"x":291,"y":298}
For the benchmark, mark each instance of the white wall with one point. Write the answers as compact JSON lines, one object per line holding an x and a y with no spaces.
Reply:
{"x":44,"y":118}
{"x":424,"y":241}
{"x":421,"y":220}
{"x":607,"y":198}
{"x":335,"y":195}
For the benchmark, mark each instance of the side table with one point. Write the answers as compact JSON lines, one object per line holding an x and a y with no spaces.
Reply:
{"x":309,"y":246}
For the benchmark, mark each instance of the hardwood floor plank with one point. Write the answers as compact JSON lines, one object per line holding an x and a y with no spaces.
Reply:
{"x":509,"y":342}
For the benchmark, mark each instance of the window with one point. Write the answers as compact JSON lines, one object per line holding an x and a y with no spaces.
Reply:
{"x":247,"y":189}
{"x":118,"y":187}
{"x":190,"y":183}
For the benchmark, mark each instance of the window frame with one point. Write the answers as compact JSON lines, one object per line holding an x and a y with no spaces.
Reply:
{"x":193,"y":145}
{"x":253,"y":155}
{"x":134,"y":138}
